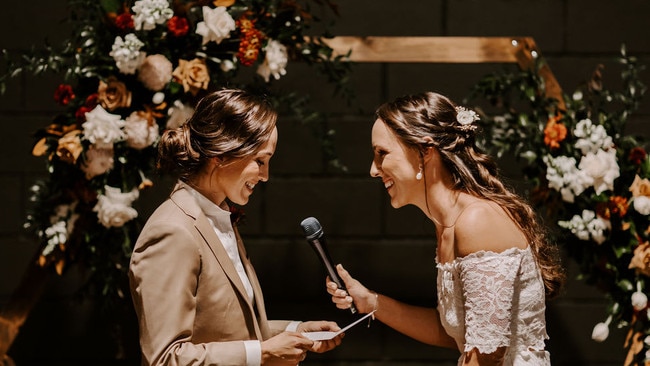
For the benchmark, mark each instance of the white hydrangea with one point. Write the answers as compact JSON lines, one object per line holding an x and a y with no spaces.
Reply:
{"x":591,"y":138}
{"x":601,"y":169}
{"x":275,"y":62}
{"x":139,"y":134}
{"x":114,"y":207}
{"x":642,"y":205}
{"x":148,"y":13}
{"x":126,"y":53}
{"x":564,"y":177}
{"x":103,"y":129}
{"x":216,"y":25}
{"x":62,"y":222}
{"x":178,"y":113}
{"x":587,"y":226}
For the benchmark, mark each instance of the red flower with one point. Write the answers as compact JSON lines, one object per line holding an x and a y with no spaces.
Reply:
{"x":124,"y":21}
{"x":63,"y":94}
{"x":178,"y":26}
{"x":554,"y":133}
{"x":615,"y":206}
{"x":251,"y":41}
{"x":237,"y":215}
{"x":80,"y":114}
{"x":637,"y":155}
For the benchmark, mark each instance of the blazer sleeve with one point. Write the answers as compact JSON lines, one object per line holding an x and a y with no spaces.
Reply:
{"x":164,"y":274}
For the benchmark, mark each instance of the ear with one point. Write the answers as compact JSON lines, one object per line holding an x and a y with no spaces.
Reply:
{"x":217,"y":161}
{"x":427,"y":151}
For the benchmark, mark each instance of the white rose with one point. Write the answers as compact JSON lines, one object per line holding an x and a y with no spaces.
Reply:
{"x":600,"y":332}
{"x":275,"y":61}
{"x":639,"y":301}
{"x":601,"y":168}
{"x":179,"y":113}
{"x":216,"y":25}
{"x":97,"y":162}
{"x":103,"y":129}
{"x":139,"y":134}
{"x":114,"y":207}
{"x":642,"y":204}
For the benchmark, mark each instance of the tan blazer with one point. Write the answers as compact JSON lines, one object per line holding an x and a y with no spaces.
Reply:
{"x":191,"y":305}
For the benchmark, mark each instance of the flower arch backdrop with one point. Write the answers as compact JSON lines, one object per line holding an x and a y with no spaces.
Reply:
{"x":133,"y":69}
{"x":589,"y":176}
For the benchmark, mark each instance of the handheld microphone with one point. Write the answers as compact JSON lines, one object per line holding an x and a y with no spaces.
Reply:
{"x":316,"y":238}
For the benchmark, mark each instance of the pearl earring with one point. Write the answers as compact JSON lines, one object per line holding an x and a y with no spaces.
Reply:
{"x":419,"y":175}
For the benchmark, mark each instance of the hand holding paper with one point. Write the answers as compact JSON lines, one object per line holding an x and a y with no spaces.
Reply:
{"x":327,"y":335}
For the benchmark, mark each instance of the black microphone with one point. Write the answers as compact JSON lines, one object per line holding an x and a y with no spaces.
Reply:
{"x":316,"y":238}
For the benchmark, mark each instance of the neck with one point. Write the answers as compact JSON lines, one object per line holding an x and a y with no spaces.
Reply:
{"x":202,"y":183}
{"x":439,"y":205}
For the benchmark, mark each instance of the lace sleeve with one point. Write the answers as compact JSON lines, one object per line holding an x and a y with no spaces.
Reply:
{"x":488,"y":281}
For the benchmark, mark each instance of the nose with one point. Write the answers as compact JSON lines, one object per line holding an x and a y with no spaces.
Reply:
{"x":264,"y":173}
{"x":374,"y":170}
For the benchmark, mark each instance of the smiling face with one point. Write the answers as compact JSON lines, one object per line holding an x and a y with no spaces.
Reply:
{"x":236,"y":179}
{"x":396,"y":164}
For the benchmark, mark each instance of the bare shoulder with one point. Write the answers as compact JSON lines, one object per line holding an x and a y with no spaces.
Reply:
{"x":486,"y":226}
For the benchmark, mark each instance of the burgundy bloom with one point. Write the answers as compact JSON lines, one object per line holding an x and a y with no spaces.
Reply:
{"x":124,"y":21}
{"x":637,"y":155}
{"x":178,"y":26}
{"x":63,"y":94}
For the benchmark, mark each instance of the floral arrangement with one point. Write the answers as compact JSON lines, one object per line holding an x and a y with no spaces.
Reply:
{"x":131,"y":70}
{"x":589,"y":177}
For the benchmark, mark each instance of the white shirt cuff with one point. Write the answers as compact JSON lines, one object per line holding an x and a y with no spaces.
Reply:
{"x":292,"y":326}
{"x":253,"y":353}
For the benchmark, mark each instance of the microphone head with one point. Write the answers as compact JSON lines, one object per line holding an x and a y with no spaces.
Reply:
{"x":312,"y":228}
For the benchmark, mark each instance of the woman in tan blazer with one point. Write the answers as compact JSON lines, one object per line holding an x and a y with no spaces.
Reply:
{"x":195,"y":292}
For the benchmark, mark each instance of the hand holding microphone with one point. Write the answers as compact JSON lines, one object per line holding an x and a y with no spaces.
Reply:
{"x":316,"y":238}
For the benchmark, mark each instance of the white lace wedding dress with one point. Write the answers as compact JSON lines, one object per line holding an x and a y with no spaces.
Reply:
{"x":488,"y":300}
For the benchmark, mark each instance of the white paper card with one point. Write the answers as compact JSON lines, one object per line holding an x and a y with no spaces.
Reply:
{"x":327,"y":335}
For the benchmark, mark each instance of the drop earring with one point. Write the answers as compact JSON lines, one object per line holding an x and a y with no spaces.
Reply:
{"x":419,"y":175}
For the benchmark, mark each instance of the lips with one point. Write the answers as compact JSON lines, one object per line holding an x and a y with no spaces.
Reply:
{"x":250,"y":186}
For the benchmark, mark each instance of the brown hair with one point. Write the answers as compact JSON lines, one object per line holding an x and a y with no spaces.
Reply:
{"x":414,"y":117}
{"x":228,"y":123}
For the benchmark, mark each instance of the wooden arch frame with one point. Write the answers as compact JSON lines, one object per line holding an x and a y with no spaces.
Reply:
{"x":520,"y":50}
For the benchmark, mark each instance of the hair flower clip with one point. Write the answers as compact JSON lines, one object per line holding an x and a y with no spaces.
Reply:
{"x":466,"y":118}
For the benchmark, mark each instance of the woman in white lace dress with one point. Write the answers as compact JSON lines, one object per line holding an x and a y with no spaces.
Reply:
{"x":495,"y":267}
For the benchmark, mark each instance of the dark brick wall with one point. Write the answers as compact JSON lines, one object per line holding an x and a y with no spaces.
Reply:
{"x":390,"y":250}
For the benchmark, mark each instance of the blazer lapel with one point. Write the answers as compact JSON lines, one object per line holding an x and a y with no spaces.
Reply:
{"x":257,"y":289}
{"x":187,"y":203}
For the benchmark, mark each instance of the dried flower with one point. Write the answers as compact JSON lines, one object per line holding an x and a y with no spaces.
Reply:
{"x":113,"y":94}
{"x":641,"y":259}
{"x":193,"y":75}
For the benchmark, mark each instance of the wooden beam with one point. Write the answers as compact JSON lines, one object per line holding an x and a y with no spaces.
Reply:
{"x":520,"y":50}
{"x":426,"y":49}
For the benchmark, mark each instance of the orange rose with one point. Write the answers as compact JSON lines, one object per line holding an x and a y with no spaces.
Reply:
{"x":641,"y":259}
{"x":113,"y":94}
{"x":554,"y":132}
{"x":69,"y":147}
{"x":640,"y":187}
{"x":193,"y":75}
